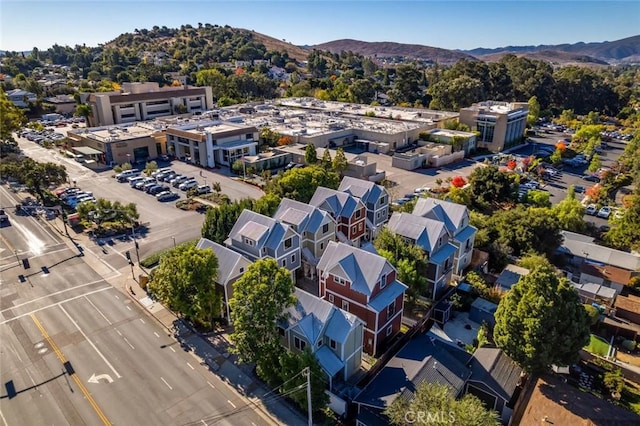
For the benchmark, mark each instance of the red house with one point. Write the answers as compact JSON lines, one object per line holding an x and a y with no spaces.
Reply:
{"x":348,"y":211}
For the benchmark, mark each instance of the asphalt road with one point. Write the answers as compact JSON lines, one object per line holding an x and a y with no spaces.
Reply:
{"x":75,"y":350}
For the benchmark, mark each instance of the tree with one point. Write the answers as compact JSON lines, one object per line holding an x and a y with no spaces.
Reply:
{"x":541,"y":322}
{"x":534,"y":111}
{"x":301,"y":183}
{"x":556,"y":157}
{"x":260,"y":297}
{"x":184,"y":281}
{"x":490,"y":185}
{"x":595,"y":163}
{"x":625,"y":232}
{"x":36,"y":176}
{"x":326,"y":159}
{"x":12,"y":118}
{"x":83,"y":110}
{"x":434,"y":403}
{"x":340,"y":161}
{"x":219,"y":221}
{"x":569,"y":212}
{"x":285,"y":140}
{"x":310,"y":154}
{"x":291,"y":364}
{"x":150,"y":167}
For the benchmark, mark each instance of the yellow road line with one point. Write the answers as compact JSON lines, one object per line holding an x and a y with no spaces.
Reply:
{"x":75,"y":377}
{"x":4,"y":240}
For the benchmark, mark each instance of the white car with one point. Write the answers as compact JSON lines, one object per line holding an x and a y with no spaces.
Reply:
{"x":422,"y":190}
{"x":203,"y":189}
{"x":604,"y":212}
{"x":188,"y":185}
{"x":591,"y":210}
{"x":166,"y":195}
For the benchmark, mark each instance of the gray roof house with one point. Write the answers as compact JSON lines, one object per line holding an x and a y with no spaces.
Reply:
{"x":579,"y":248}
{"x":432,"y":236}
{"x":488,"y":373}
{"x":375,"y":198}
{"x":509,"y":276}
{"x":456,"y":219}
{"x":231,"y":266}
{"x":348,"y":211}
{"x":364,"y":284}
{"x":333,"y":335}
{"x":316,"y":228}
{"x":257,"y":236}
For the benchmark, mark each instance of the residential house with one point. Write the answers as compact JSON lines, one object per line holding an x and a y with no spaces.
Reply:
{"x":591,"y":293}
{"x":375,"y":199}
{"x":257,"y":237}
{"x":510,"y":276}
{"x":231,"y":266}
{"x":364,"y":284}
{"x":578,"y":248}
{"x":456,"y":219}
{"x":432,"y":236}
{"x":21,"y":98}
{"x":628,"y":308}
{"x":64,"y":104}
{"x":551,"y":400}
{"x":332,"y":334}
{"x":489,"y":374}
{"x":606,"y":275}
{"x":316,"y":228}
{"x":483,"y":311}
{"x":348,"y":212}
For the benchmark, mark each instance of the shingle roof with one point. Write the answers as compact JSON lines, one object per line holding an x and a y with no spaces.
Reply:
{"x":230,"y":263}
{"x":495,"y":369}
{"x":362,"y":268}
{"x":510,"y":275}
{"x":367,"y":191}
{"x":446,"y":211}
{"x":422,"y":359}
{"x":256,"y":226}
{"x":424,"y":231}
{"x":584,"y":247}
{"x":337,"y":203}
{"x":306,"y":218}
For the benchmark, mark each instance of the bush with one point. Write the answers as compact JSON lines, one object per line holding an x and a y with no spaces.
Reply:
{"x":613,"y":381}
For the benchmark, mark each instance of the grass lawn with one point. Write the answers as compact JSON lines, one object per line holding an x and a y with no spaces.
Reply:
{"x":631,"y":397}
{"x":598,"y":346}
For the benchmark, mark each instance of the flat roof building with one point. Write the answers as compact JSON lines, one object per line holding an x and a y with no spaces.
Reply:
{"x":501,"y":124}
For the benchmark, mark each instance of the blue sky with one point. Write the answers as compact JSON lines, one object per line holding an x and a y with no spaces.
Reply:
{"x":449,"y":24}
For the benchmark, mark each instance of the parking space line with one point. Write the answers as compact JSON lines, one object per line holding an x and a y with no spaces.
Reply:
{"x":190,"y":366}
{"x":209,"y":383}
{"x":165,"y":382}
{"x":232,"y":404}
{"x":156,"y":334}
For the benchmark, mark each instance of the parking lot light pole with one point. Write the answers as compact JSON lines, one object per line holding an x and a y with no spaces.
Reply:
{"x":174,"y":241}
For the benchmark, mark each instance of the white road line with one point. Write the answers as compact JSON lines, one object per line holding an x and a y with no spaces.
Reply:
{"x":31,"y":377}
{"x":49,"y":295}
{"x":142,"y":321}
{"x":54,"y":304}
{"x":90,"y":342}
{"x":125,"y":339}
{"x":232,"y":404}
{"x":117,"y":297}
{"x":129,"y":307}
{"x":190,"y":366}
{"x":253,"y":424}
{"x":114,"y":270}
{"x":172,"y":350}
{"x":204,"y":423}
{"x":209,"y":383}
{"x":118,"y":331}
{"x":165,"y":382}
{"x":96,"y":308}
{"x":3,"y":419}
{"x":157,"y":335}
{"x":15,"y":352}
{"x":46,"y":253}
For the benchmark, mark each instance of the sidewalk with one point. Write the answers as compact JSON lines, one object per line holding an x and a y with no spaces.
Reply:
{"x":210,"y":349}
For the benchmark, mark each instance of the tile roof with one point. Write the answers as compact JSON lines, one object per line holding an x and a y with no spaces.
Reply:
{"x":446,"y":211}
{"x":230,"y":263}
{"x":362,"y":268}
{"x":337,"y":203}
{"x":424,"y":231}
{"x":628,"y":303}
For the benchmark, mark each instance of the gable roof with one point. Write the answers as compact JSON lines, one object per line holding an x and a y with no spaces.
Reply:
{"x":367,"y":191}
{"x":446,"y":211}
{"x":422,"y":359}
{"x":496,"y":370}
{"x":424,"y":231}
{"x":230,"y":263}
{"x":306,"y":218}
{"x":510,"y":275}
{"x":362,"y":268}
{"x":267,"y":232}
{"x":337,"y":203}
{"x":583,"y":246}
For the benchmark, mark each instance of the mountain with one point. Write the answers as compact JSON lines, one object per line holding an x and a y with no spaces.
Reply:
{"x":612,"y":52}
{"x":390,"y":49}
{"x":554,"y":57}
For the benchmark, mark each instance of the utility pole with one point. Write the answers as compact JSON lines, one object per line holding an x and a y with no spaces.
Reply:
{"x":307,"y":373}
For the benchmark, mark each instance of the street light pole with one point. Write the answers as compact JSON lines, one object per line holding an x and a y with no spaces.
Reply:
{"x":174,"y":241}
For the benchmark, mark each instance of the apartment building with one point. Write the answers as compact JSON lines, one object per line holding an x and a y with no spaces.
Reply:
{"x":364,"y":284}
{"x":146,"y":101}
{"x":375,"y":199}
{"x":348,"y":212}
{"x":501,"y":124}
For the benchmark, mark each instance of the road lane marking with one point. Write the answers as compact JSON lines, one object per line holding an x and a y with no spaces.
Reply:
{"x":100,"y":312}
{"x":190,"y":366}
{"x":204,"y":423}
{"x":253,"y":424}
{"x":209,"y":383}
{"x":75,"y":377}
{"x":116,"y":296}
{"x":128,"y":307}
{"x":54,"y":304}
{"x":173,"y":350}
{"x":118,"y":331}
{"x":125,"y":339}
{"x":156,"y":333}
{"x":232,"y":404}
{"x":3,"y":419}
{"x":51,"y":294}
{"x":90,"y":342}
{"x":142,"y":321}
{"x":165,"y":382}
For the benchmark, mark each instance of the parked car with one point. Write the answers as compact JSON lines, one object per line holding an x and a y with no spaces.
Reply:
{"x":168,"y":176}
{"x":591,"y":210}
{"x":579,"y":189}
{"x":203,"y":189}
{"x":422,"y":190}
{"x":148,"y":186}
{"x":146,"y":181}
{"x":591,"y":178}
{"x":185,"y":186}
{"x":159,"y":171}
{"x":122,"y":177}
{"x":156,"y":189}
{"x":604,"y":212}
{"x":166,"y":196}
{"x":164,"y":157}
{"x":3,"y":216}
{"x":177,"y":181}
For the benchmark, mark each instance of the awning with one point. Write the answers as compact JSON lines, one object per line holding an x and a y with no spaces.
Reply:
{"x":86,"y":150}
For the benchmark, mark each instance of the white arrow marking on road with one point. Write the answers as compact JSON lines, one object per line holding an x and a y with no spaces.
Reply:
{"x":96,"y":379}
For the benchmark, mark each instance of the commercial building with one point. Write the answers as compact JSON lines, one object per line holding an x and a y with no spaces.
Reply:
{"x":146,"y":101}
{"x":501,"y":124}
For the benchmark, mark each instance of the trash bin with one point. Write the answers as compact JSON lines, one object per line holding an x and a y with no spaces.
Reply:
{"x":143,"y":280}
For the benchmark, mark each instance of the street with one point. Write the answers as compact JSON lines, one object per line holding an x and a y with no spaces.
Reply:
{"x":77,"y":350}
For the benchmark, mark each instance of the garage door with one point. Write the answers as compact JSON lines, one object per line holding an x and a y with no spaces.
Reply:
{"x":141,"y":154}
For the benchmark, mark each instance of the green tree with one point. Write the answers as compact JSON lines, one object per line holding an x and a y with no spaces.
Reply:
{"x":36,"y":176}
{"x":625,"y":232}
{"x":538,"y":198}
{"x":291,"y":364}
{"x":12,"y":118}
{"x":326,"y":159}
{"x":184,"y":281}
{"x":592,"y":313}
{"x":150,"y":167}
{"x":83,"y":110}
{"x":310,"y":154}
{"x":534,"y":111}
{"x":541,"y":321}
{"x":215,"y":79}
{"x":569,"y":213}
{"x":490,"y":185}
{"x":219,"y":221}
{"x":340,"y":161}
{"x":436,"y":401}
{"x":595,"y":163}
{"x":556,"y":157}
{"x":260,"y":297}
{"x":301,"y":183}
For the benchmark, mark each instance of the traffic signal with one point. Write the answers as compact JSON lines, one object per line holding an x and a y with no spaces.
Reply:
{"x":126,"y":253}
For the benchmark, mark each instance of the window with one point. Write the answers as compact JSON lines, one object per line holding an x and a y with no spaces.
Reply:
{"x":288,"y":243}
{"x":319,"y":343}
{"x":354,"y":229}
{"x":358,"y":214}
{"x":299,"y":343}
{"x":345,"y":305}
{"x":379,"y":215}
{"x":249,"y":242}
{"x":325,"y":228}
{"x":383,"y":281}
{"x":332,"y":344}
{"x":383,"y":200}
{"x":391,"y":309}
{"x":321,"y":246}
{"x":249,"y":136}
{"x":331,"y":298}
{"x":293,"y":258}
{"x":281,"y":331}
{"x":284,"y":263}
{"x":389,"y":330}
{"x":340,"y":280}
{"x":360,"y":226}
{"x":242,"y":269}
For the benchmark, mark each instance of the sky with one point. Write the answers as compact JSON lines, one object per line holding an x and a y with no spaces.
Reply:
{"x":451,"y":24}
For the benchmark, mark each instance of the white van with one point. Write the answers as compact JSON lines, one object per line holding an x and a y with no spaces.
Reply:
{"x":122,"y":177}
{"x":134,"y":180}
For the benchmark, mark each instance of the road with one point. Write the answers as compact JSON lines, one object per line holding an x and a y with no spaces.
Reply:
{"x":75,"y":350}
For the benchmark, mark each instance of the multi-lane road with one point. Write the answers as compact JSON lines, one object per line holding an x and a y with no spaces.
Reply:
{"x":75,"y":350}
